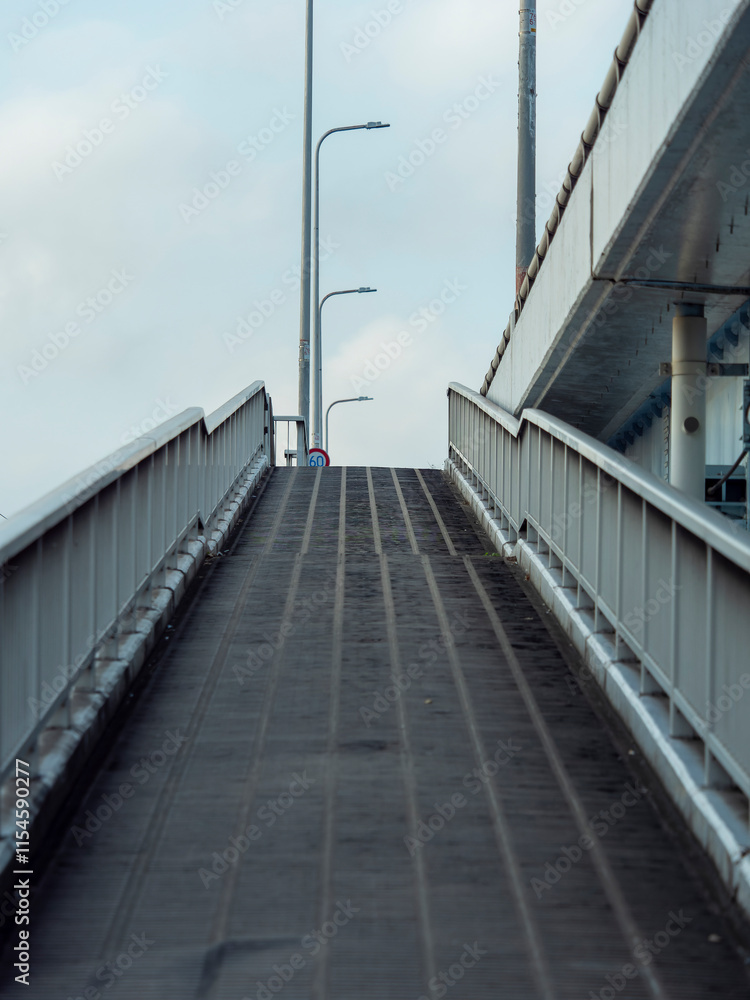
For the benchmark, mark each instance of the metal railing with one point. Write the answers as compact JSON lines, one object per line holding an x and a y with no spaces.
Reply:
{"x":78,"y":568}
{"x":302,"y":446}
{"x":667,"y":576}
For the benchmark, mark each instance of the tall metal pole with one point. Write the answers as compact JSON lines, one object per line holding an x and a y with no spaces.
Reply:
{"x":526,"y":196}
{"x":304,"y":329}
{"x":317,"y":305}
{"x":316,"y":433}
{"x":317,"y":436}
{"x":353,"y":399}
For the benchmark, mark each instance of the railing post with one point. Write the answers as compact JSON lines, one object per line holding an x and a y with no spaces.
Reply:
{"x":579,"y":566}
{"x":709,"y":663}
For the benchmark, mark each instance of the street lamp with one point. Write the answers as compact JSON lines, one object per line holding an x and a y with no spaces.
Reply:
{"x":353,"y":399}
{"x":318,"y":370}
{"x":316,"y":260}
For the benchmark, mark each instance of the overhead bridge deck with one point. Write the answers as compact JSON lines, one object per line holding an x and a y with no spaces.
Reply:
{"x":361,"y":768}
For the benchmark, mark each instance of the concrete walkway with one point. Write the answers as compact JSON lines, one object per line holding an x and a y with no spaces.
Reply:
{"x":363,"y":770}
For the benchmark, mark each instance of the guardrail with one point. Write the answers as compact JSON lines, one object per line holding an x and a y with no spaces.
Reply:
{"x":301,"y":448}
{"x":79,"y":567}
{"x":669,"y":577}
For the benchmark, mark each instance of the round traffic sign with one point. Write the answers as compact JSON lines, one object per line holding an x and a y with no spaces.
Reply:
{"x":318,"y":457}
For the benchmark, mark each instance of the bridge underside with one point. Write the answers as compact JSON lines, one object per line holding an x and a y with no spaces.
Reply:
{"x":659,"y":215}
{"x":361,"y":763}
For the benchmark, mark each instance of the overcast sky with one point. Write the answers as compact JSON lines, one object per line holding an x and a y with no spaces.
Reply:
{"x":113,"y":114}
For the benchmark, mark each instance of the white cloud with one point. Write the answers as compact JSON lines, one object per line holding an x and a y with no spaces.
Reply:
{"x":120,"y":208}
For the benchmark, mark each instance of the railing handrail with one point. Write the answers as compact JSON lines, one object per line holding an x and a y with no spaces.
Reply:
{"x":23,"y":528}
{"x":610,"y":546}
{"x":697,"y":518}
{"x":88,"y":571}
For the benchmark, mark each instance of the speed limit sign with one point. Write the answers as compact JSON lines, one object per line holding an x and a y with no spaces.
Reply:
{"x":318,"y":458}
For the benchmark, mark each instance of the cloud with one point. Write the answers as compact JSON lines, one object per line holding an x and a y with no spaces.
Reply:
{"x":120,"y":208}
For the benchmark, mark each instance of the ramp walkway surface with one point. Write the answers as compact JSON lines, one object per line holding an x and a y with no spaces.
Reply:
{"x":361,"y":768}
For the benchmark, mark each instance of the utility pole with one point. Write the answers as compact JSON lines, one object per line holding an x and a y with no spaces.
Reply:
{"x":526,"y":196}
{"x":304,"y":329}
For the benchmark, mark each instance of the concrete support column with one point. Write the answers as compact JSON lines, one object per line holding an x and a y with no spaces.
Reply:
{"x":687,"y":461}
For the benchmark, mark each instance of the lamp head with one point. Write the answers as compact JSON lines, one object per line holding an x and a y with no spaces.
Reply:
{"x":360,"y":290}
{"x":377,"y":125}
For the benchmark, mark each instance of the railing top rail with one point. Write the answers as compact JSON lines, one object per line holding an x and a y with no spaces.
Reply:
{"x":29,"y":524}
{"x":703,"y":522}
{"x":213,"y":420}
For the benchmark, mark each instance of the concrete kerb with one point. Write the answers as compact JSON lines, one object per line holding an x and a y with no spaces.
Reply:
{"x":65,"y":753}
{"x":678,"y":763}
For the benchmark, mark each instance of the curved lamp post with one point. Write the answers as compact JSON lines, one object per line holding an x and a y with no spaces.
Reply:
{"x":318,"y":370}
{"x":316,"y":270}
{"x":353,"y":399}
